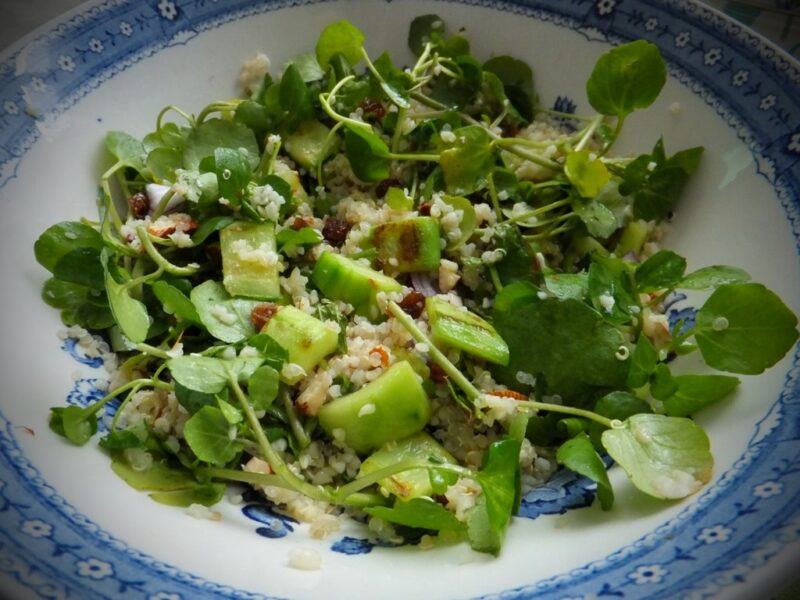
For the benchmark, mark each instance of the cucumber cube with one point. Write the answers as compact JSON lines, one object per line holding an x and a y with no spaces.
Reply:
{"x":307,"y":339}
{"x":342,"y":278}
{"x":250,"y":260}
{"x":392,"y":407}
{"x":310,"y":144}
{"x":459,"y":328}
{"x":409,"y":245}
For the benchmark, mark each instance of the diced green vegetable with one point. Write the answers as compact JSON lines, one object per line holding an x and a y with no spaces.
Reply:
{"x":407,"y":484}
{"x":307,"y":339}
{"x":310,"y":144}
{"x":390,"y":408}
{"x":460,"y":328}
{"x":249,"y":260}
{"x":409,"y":245}
{"x":342,"y":278}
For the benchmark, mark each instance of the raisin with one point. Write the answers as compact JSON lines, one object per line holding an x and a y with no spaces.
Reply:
{"x":383,"y":186}
{"x":262,"y":313}
{"x":300,"y":222}
{"x":425,"y":209}
{"x":373,"y":107}
{"x":139,"y":205}
{"x":413,"y":303}
{"x":437,"y":373}
{"x":335,"y":231}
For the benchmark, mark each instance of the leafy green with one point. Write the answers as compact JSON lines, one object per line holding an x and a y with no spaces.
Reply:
{"x":611,"y":288}
{"x":206,"y":432}
{"x":368,"y":154}
{"x":467,"y":162}
{"x":567,"y":285}
{"x":81,"y":266}
{"x":588,"y":175}
{"x":262,"y":386}
{"x":342,"y":38}
{"x":192,"y":400}
{"x":61,"y":239}
{"x":578,"y":454}
{"x":233,"y":174}
{"x":126,"y":149}
{"x":744,"y":328}
{"x":206,"y":494}
{"x":424,"y":29}
{"x":217,"y":133}
{"x":199,"y":373}
{"x":129,"y":313}
{"x":210,"y":299}
{"x":175,"y":302}
{"x":295,"y":97}
{"x":712,"y":277}
{"x":74,"y":423}
{"x":642,"y":362}
{"x":517,"y":79}
{"x":662,"y":270}
{"x":665,"y":457}
{"x":695,"y":392}
{"x":418,"y":512}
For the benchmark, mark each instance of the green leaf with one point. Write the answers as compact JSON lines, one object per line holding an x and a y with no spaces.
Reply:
{"x":343,"y":38}
{"x":665,"y":457}
{"x":218,"y":133}
{"x":129,"y":313}
{"x":424,"y":29}
{"x":175,"y":302}
{"x":274,"y":354}
{"x":210,"y":299}
{"x":516,"y":262}
{"x":467,"y":162}
{"x":199,"y":373}
{"x":588,"y":175}
{"x":206,"y":432}
{"x":209,"y":226}
{"x":599,"y":219}
{"x":233,"y":173}
{"x":712,"y":277}
{"x":578,"y":454}
{"x":418,"y":512}
{"x":162,"y":162}
{"x":134,"y":436}
{"x":499,"y":479}
{"x":662,"y":383}
{"x":662,"y":270}
{"x":611,"y":288}
{"x":289,"y":239}
{"x":126,"y":149}
{"x":744,"y":328}
{"x":626,"y":78}
{"x":81,"y":266}
{"x":642,"y":362}
{"x":695,"y":392}
{"x":295,"y":97}
{"x":262,"y":387}
{"x":618,"y":405}
{"x":368,"y":154}
{"x":469,"y":220}
{"x":567,"y":285}
{"x":62,"y":238}
{"x":206,"y":494}
{"x":160,"y":476}
{"x":73,"y":423}
{"x":517,"y":79}
{"x":307,"y":66}
{"x":232,"y":414}
{"x":192,"y":400}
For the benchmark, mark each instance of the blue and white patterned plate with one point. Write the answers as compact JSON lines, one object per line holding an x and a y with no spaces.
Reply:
{"x":70,"y":529}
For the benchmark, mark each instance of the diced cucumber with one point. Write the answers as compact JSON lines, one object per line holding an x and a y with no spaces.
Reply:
{"x":632,"y":238}
{"x":409,"y":245}
{"x":408,"y":484}
{"x":292,"y":177}
{"x":310,"y":144}
{"x":249,"y":260}
{"x":342,"y":278}
{"x":460,"y":328}
{"x":390,"y":408}
{"x":307,"y":339}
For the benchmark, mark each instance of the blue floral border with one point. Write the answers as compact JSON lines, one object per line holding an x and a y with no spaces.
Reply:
{"x":709,"y":546}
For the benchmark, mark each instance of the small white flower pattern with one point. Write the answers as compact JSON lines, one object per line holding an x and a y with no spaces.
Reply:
{"x":682,"y":39}
{"x":94,"y":568}
{"x":712,"y":535}
{"x":10,"y":107}
{"x":38,"y":85}
{"x":66,"y":63}
{"x":740,"y":78}
{"x":768,"y":489}
{"x":36,"y":528}
{"x":651,"y":24}
{"x":648,"y":574}
{"x":712,"y":57}
{"x":794,"y":143}
{"x":606,"y":7}
{"x":766,"y":103}
{"x":96,"y":46}
{"x":125,"y":28}
{"x":167,"y":10}
{"x":164,"y":596}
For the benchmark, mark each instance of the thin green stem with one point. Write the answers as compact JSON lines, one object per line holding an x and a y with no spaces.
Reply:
{"x":245,"y":477}
{"x":294,"y":420}
{"x":537,"y":211}
{"x":495,"y":276}
{"x":163,"y":203}
{"x":153,"y":351}
{"x":325,"y":101}
{"x":160,"y":261}
{"x":588,"y":133}
{"x":570,"y":410}
{"x":410,"y":464}
{"x":173,"y":108}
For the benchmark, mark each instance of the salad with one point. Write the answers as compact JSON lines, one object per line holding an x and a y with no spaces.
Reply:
{"x":404,"y":295}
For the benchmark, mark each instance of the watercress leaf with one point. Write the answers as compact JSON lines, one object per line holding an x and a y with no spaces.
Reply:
{"x":368,"y":154}
{"x":88,"y":316}
{"x":81,"y":266}
{"x":134,"y":436}
{"x":192,"y":400}
{"x":665,"y":457}
{"x":295,"y":96}
{"x":516,"y":262}
{"x":232,"y":414}
{"x":206,"y":494}
{"x":62,"y":238}
{"x":209,"y":226}
{"x":307,"y":66}
{"x":63,"y":294}
{"x":233,"y":173}
{"x":662,"y":270}
{"x":219,"y":133}
{"x":618,"y":405}
{"x":567,"y":285}
{"x":343,"y":38}
{"x":517,"y":79}
{"x":162,"y":162}
{"x":262,"y":387}
{"x":626,"y":78}
{"x":458,"y":92}
{"x":129,"y":313}
{"x":424,"y":29}
{"x":662,"y":383}
{"x":712,"y":277}
{"x":467,"y":162}
{"x":274,"y":354}
{"x":210,"y":298}
{"x":289,"y":239}
{"x":566,"y":340}
{"x":418,"y":512}
{"x":199,"y":373}
{"x":175,"y":302}
{"x":500,"y":481}
{"x":744,"y":328}
{"x":395,"y":82}
{"x":126,"y":149}
{"x":73,"y":423}
{"x":695,"y":392}
{"x":642,"y":362}
{"x":599,"y":219}
{"x":206,"y":433}
{"x":588,"y":175}
{"x":578,"y":454}
{"x":611,"y":288}
{"x":159,"y":476}
{"x":655,"y":196}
